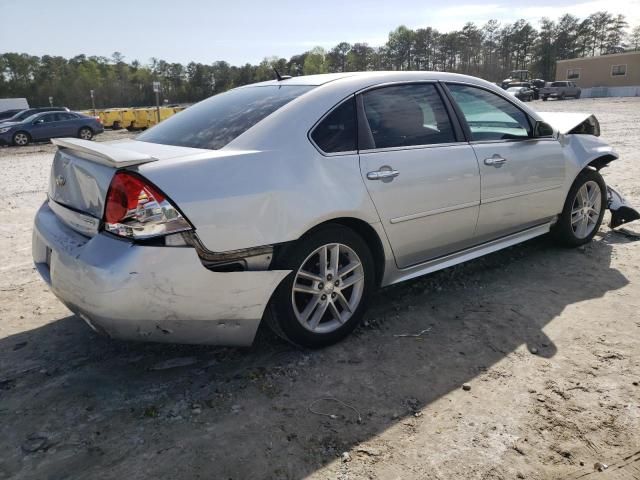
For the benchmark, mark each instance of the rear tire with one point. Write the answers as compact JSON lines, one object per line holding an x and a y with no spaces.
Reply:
{"x":578,"y":95}
{"x":544,"y":99}
{"x":583,"y":210}
{"x":21,"y":139}
{"x":85,"y":133}
{"x":317,"y":306}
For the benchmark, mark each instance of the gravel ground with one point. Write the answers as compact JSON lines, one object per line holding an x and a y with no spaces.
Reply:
{"x":545,"y":342}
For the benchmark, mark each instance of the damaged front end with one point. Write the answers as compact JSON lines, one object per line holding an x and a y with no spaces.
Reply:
{"x":621,"y":212}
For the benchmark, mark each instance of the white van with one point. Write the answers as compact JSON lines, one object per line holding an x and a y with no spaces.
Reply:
{"x":13,"y":104}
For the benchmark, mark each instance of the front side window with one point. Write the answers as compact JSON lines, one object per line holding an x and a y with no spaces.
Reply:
{"x":489,"y":116}
{"x":51,"y":117}
{"x":618,"y":70}
{"x":407,"y":115}
{"x":337,"y":131}
{"x":215,"y":122}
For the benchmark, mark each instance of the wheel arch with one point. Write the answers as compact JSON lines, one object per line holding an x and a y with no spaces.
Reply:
{"x":362,"y":228}
{"x":601,"y":161}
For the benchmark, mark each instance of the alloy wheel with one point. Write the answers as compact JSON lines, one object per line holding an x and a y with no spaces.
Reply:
{"x":85,"y":134}
{"x":585,"y":210}
{"x":327,"y":288}
{"x":21,"y":139}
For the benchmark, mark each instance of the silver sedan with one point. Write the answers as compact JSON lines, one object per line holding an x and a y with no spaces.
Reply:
{"x":293,"y":200}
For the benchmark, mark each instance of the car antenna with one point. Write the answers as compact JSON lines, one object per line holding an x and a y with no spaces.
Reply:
{"x":280,"y":77}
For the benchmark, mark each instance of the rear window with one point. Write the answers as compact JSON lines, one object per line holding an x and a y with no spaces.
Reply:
{"x":559,"y":84}
{"x":215,"y":122}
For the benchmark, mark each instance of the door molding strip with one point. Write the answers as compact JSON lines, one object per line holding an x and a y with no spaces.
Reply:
{"x":428,"y":213}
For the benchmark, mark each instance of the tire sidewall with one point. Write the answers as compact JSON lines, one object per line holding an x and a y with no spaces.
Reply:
{"x":562,"y":229}
{"x":292,"y":258}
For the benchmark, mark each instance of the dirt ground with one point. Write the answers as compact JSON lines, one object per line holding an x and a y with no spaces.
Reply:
{"x":547,"y":339}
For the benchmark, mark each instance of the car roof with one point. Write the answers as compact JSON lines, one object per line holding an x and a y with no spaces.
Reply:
{"x":367,"y":77}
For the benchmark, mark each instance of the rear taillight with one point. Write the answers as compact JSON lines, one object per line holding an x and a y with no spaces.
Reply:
{"x":137,"y":209}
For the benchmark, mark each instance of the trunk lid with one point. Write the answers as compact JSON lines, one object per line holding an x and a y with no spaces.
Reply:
{"x":82,"y":172}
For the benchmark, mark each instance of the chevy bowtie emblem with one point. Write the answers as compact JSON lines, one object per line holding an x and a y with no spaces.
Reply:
{"x":60,"y":181}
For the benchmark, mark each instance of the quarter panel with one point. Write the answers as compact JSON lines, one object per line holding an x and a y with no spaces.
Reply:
{"x":246,"y":199}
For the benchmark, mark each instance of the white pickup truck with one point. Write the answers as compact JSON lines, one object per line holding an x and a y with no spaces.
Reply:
{"x":560,"y":90}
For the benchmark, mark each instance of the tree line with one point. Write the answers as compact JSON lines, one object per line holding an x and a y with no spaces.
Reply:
{"x":489,"y":51}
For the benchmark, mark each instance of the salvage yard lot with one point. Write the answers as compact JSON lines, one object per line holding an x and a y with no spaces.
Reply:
{"x":547,"y":339}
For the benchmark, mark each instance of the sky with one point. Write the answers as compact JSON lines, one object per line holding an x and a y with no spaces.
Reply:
{"x":241,"y":31}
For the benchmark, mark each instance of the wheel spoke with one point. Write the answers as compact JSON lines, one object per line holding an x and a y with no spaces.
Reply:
{"x":347,"y":269}
{"x":318,"y":314}
{"x":305,"y":289}
{"x":304,"y":315}
{"x":350,"y":281}
{"x":334,"y":311}
{"x":593,"y":195}
{"x":323,"y":262}
{"x":344,"y":303}
{"x":310,"y":276}
{"x":575,"y":219}
{"x":335,"y":257}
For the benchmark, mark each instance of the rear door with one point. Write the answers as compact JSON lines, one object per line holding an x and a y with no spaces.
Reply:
{"x":422,"y":176}
{"x":522,"y":176}
{"x":67,"y":125}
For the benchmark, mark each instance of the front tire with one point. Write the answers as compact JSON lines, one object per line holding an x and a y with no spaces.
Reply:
{"x":21,"y":139}
{"x":85,"y":133}
{"x":544,"y":99}
{"x":583,"y":210}
{"x":326,"y":294}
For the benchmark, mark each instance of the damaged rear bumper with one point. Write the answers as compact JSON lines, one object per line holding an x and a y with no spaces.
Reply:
{"x":621,"y":211}
{"x":149,"y":293}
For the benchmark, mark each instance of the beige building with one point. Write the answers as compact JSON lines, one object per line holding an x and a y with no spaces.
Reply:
{"x":604,"y":76}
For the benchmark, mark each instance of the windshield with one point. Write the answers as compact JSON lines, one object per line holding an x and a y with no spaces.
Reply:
{"x":558,"y":84}
{"x":215,"y":122}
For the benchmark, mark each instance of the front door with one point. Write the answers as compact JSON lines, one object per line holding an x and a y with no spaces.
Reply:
{"x":44,"y":127}
{"x":522,"y":177}
{"x":424,"y":183}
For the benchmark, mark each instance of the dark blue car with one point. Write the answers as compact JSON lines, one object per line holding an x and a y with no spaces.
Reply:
{"x":43,"y":126}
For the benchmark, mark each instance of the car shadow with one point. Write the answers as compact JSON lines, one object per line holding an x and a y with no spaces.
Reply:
{"x":77,"y":405}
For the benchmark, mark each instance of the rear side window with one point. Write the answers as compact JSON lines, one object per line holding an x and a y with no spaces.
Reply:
{"x":489,"y":116}
{"x":407,"y":115}
{"x":337,"y":131}
{"x":215,"y":122}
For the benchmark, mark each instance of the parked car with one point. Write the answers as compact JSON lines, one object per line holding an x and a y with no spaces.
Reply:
{"x":43,"y":126}
{"x":516,"y":78}
{"x":560,"y":90}
{"x":295,"y":199}
{"x":536,"y":85}
{"x":521,"y":93}
{"x":9,"y":113}
{"x":22,"y":114}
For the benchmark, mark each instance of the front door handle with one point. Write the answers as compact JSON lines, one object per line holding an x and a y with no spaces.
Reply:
{"x":384,"y":172}
{"x":495,"y":160}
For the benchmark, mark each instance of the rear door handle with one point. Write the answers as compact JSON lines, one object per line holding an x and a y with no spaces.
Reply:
{"x":383,"y":173}
{"x":495,"y":160}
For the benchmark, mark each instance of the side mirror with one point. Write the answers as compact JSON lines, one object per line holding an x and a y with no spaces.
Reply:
{"x":37,"y":122}
{"x":542,"y":129}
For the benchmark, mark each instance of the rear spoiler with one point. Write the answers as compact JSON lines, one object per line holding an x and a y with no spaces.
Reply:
{"x":105,"y":154}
